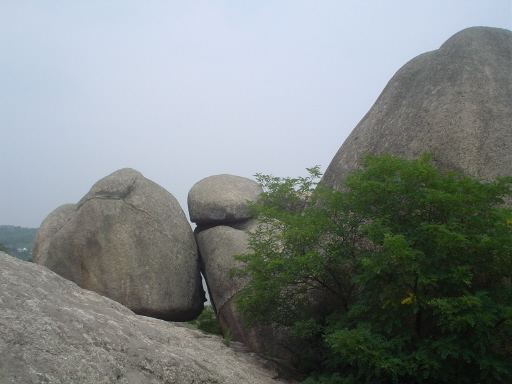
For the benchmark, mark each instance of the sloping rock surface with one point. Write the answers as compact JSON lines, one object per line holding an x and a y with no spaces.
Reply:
{"x":454,"y":102}
{"x":127,"y":239}
{"x":52,"y":331}
{"x":222,"y":199}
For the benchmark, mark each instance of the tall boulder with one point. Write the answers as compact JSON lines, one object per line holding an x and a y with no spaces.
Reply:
{"x":217,"y":246}
{"x":454,"y":102}
{"x":52,"y":331}
{"x":219,"y":206}
{"x":127,"y":239}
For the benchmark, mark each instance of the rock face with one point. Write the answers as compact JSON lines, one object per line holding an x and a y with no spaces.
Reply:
{"x":218,"y":204}
{"x":222,"y":199}
{"x":217,"y":246}
{"x":455,"y":102}
{"x":49,"y":227}
{"x":52,"y":331}
{"x":127,"y":239}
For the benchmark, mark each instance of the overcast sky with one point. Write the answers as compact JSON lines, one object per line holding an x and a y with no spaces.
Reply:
{"x":182,"y":90}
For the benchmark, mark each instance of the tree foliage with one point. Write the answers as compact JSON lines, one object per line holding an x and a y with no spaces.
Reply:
{"x":404,"y":276}
{"x":4,"y":249}
{"x":15,"y":239}
{"x":207,"y":321}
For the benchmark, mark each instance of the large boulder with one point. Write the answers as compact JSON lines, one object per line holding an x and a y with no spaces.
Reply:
{"x":454,"y":102}
{"x":222,"y":199}
{"x":52,"y":331}
{"x":217,"y":246}
{"x":219,"y":205}
{"x":127,"y":239}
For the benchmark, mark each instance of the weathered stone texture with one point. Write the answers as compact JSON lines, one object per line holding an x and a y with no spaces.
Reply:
{"x":454,"y":102}
{"x":129,"y":240}
{"x":217,"y":246}
{"x":52,"y":331}
{"x":222,"y":199}
{"x":49,"y":227}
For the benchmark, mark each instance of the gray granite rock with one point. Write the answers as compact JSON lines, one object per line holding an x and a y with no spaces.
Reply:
{"x":50,"y":225}
{"x":129,"y":240}
{"x":217,"y":246}
{"x":52,"y":331}
{"x":222,"y":199}
{"x":454,"y":102}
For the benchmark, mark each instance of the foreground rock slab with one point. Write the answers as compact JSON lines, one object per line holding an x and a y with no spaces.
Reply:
{"x":52,"y":331}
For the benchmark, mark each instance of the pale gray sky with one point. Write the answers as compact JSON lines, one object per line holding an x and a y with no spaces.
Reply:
{"x":182,"y":90}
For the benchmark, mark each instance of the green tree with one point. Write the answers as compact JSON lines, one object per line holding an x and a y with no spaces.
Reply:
{"x":207,"y":321}
{"x":15,"y":239}
{"x":3,"y":248}
{"x":405,"y":276}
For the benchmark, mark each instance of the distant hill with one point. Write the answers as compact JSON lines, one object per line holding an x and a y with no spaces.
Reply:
{"x":19,"y":241}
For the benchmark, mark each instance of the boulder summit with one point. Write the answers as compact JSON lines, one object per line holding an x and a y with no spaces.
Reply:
{"x":454,"y":102}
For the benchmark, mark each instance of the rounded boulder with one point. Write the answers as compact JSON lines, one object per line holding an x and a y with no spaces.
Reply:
{"x":50,"y":225}
{"x":128,"y":239}
{"x":222,"y":199}
{"x":454,"y":102}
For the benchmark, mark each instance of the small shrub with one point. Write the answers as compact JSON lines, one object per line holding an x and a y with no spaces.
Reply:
{"x":207,"y":321}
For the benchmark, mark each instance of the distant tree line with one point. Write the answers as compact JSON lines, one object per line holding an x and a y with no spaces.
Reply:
{"x":17,"y":241}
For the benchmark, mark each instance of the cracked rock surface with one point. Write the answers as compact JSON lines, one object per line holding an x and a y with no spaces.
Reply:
{"x":127,"y":239}
{"x":217,"y":246}
{"x":52,"y":331}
